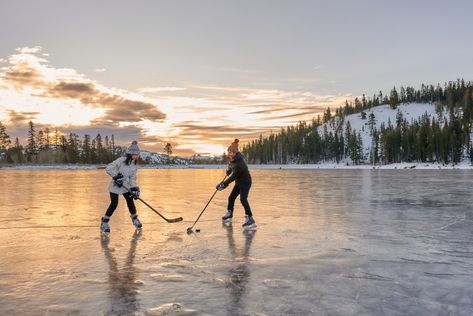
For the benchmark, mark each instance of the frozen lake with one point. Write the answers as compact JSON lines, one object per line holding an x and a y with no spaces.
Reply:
{"x":329,"y":242}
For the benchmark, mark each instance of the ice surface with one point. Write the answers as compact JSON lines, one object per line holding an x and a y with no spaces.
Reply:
{"x":329,"y":242}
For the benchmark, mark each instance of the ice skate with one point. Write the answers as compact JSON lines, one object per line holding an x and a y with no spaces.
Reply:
{"x":136,"y":221}
{"x":227,"y":218}
{"x":105,"y":226}
{"x":249,"y":223}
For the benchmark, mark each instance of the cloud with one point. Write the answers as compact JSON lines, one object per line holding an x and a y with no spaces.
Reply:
{"x":118,"y":108}
{"x":21,"y":117}
{"x":75,"y":90}
{"x":123,"y":135}
{"x":272,"y":108}
{"x":300,"y":115}
{"x":30,"y":72}
{"x":29,"y":50}
{"x":219,"y":134}
{"x":122,"y":109}
{"x":100,"y":70}
{"x":160,"y":89}
{"x":21,"y":76}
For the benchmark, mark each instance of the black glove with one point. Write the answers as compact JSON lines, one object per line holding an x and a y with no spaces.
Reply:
{"x":118,"y":180}
{"x":221,"y":186}
{"x":229,"y":170}
{"x":135,"y":192}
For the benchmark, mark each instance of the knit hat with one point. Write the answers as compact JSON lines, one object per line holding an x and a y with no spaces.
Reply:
{"x":234,"y":146}
{"x":133,"y":149}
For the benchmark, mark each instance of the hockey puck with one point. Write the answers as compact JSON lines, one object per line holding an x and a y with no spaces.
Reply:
{"x":197,"y":230}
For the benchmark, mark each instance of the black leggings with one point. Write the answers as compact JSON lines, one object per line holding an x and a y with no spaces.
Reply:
{"x":114,"y":203}
{"x":242,"y":189}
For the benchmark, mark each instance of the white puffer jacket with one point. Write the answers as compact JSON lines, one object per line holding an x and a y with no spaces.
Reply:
{"x":128,"y":172}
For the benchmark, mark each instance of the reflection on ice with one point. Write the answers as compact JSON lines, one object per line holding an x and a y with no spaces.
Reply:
{"x":171,"y":309}
{"x":328,"y":242}
{"x":122,"y":280}
{"x":239,"y":274}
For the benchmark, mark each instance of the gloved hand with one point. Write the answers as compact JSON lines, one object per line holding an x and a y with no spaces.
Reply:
{"x":118,"y":180}
{"x":229,"y":170}
{"x":221,"y":186}
{"x":135,"y":192}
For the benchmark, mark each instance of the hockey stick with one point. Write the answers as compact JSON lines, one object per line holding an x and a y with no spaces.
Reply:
{"x":189,"y":229}
{"x":169,"y":220}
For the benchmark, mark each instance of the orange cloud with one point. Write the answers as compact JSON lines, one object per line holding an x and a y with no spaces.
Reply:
{"x":33,"y":90}
{"x":30,"y":71}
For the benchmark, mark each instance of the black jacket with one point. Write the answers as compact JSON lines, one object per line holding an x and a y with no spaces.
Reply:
{"x":240,"y":173}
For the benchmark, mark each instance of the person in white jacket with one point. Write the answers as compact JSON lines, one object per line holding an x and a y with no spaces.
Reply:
{"x":123,"y":173}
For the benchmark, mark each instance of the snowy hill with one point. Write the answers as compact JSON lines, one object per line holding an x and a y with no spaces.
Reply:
{"x":159,"y":159}
{"x":382,"y":114}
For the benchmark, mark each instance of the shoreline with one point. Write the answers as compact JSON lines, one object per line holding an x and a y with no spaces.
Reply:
{"x":323,"y":166}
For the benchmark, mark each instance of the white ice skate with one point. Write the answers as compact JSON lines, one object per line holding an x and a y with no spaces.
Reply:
{"x":249,"y":223}
{"x":136,"y":221}
{"x":105,"y":226}
{"x":227,"y":218}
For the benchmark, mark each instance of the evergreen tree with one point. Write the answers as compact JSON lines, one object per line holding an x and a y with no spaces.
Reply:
{"x":394,"y":98}
{"x":31,"y":148}
{"x":56,"y":139}
{"x":100,"y":149}
{"x":86,"y":149}
{"x":327,"y":115}
{"x":40,"y":140}
{"x":93,"y":151}
{"x":17,"y":152}
{"x":72,"y":148}
{"x":47,"y":139}
{"x":168,"y":149}
{"x":5,"y":141}
{"x":371,"y":123}
{"x":374,"y":154}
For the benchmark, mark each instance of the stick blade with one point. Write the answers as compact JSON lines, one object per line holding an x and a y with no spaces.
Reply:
{"x":175,"y":220}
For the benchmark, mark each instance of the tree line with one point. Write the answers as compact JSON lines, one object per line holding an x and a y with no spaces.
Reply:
{"x":46,"y":146}
{"x":327,"y":138}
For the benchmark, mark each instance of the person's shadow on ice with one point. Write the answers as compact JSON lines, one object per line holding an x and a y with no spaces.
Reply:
{"x":122,"y":284}
{"x":239,"y":274}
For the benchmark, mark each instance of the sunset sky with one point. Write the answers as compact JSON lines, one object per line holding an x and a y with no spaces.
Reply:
{"x":200,"y":73}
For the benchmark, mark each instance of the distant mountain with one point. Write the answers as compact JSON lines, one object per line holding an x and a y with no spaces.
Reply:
{"x":160,"y":159}
{"x":155,"y":158}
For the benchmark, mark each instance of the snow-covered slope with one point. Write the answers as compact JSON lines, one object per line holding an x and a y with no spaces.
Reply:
{"x":158,"y":159}
{"x":382,"y":113}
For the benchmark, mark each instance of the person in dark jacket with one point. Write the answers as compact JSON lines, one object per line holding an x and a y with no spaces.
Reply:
{"x":238,"y":171}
